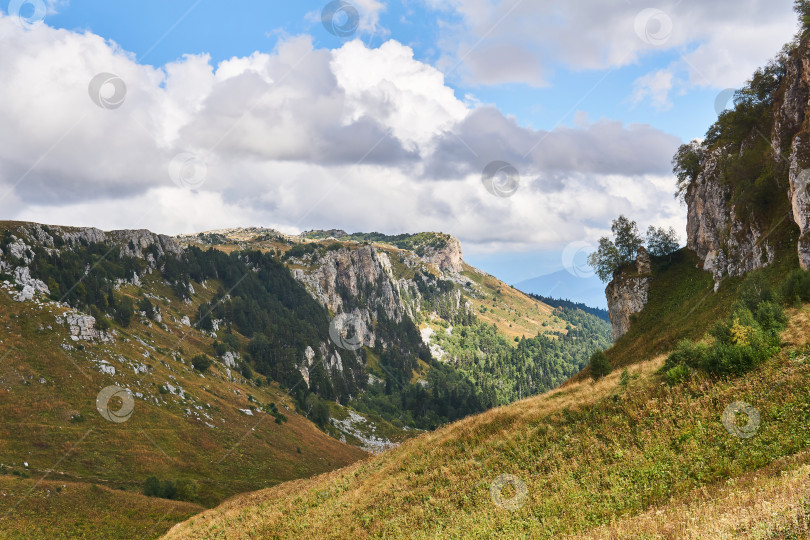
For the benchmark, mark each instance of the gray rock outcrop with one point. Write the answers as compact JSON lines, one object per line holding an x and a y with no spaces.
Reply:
{"x":728,"y":243}
{"x":628,"y":293}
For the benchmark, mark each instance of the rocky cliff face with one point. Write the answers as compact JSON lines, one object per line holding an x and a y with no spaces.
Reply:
{"x":134,"y":243}
{"x":19,"y":254}
{"x":447,"y":258}
{"x":627,"y":293}
{"x":344,"y":274}
{"x":792,"y":134}
{"x":360,"y":282}
{"x":727,"y":239}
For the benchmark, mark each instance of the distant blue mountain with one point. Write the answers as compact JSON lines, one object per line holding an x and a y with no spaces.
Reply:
{"x":563,"y":284}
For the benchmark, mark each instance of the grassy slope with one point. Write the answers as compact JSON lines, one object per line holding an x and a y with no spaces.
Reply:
{"x":55,"y":509}
{"x":43,"y":386}
{"x":589,"y":454}
{"x":514,"y":313}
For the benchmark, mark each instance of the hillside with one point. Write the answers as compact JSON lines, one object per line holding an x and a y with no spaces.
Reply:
{"x":209,"y":363}
{"x":611,"y":454}
{"x":207,"y":429}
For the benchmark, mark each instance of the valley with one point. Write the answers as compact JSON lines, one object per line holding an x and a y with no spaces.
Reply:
{"x":217,"y":351}
{"x":256,"y":270}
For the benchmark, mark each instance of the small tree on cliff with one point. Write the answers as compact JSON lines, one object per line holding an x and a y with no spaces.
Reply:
{"x":661,"y":242}
{"x":686,"y":164}
{"x":613,"y":254}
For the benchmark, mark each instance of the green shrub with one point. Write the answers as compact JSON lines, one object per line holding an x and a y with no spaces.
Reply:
{"x":770,"y":317}
{"x":677,"y":375}
{"x":186,"y":490}
{"x":728,"y":359}
{"x":125,"y":311}
{"x":181,"y":490}
{"x":151,"y":487}
{"x":201,"y":363}
{"x":599,"y":365}
{"x":624,"y":380}
{"x":688,"y":354}
{"x":102,"y":323}
{"x":745,"y":340}
{"x":145,"y":305}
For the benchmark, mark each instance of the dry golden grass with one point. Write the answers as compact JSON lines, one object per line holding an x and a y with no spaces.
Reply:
{"x":60,"y":509}
{"x":798,"y":329}
{"x":379,"y":480}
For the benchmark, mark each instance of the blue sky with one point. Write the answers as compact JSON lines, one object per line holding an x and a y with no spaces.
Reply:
{"x":388,"y":129}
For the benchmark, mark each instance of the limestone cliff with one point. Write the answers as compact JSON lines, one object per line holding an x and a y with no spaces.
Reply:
{"x":18,"y":253}
{"x":728,"y":239}
{"x":338,"y":276}
{"x":744,"y":183}
{"x":628,"y":292}
{"x":447,"y":257}
{"x":791,"y":133}
{"x":360,"y":281}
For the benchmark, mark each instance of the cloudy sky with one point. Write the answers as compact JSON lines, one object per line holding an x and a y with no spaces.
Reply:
{"x":369,"y":115}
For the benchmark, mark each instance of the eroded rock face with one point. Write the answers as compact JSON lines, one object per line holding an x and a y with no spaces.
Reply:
{"x":447,"y":258}
{"x":800,"y":204}
{"x":628,"y":293}
{"x":716,"y":230}
{"x":363,"y":273}
{"x":358,"y":282}
{"x":31,"y":286}
{"x":729,"y":244}
{"x":791,"y":135}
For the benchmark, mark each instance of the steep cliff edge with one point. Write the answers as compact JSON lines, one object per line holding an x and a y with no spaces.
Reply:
{"x":728,"y":238}
{"x":745,"y":184}
{"x":790,"y":128}
{"x":627,"y":293}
